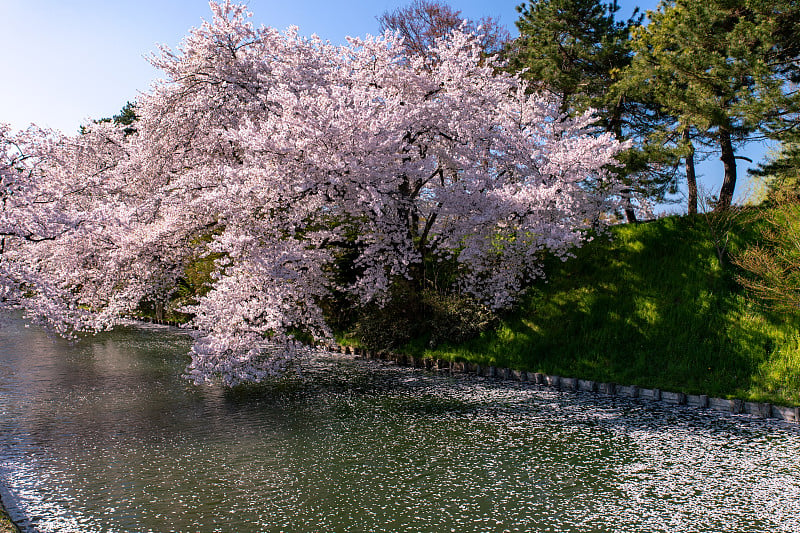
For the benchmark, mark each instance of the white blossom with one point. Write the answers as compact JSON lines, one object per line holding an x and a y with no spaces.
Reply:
{"x":278,"y":148}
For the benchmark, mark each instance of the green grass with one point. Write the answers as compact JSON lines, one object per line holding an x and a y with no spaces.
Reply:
{"x":6,"y":525}
{"x":652,"y":306}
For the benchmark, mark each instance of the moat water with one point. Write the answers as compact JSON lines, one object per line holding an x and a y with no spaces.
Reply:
{"x":104,"y":435}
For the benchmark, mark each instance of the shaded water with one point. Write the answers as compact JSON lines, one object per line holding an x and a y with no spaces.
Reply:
{"x":104,"y":436}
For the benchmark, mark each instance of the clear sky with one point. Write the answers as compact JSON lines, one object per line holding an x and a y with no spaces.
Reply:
{"x":63,"y":62}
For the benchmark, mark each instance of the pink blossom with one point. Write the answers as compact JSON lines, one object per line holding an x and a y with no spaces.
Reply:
{"x":274,"y":146}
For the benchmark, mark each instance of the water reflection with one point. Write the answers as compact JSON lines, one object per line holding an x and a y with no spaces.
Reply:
{"x":104,"y":436}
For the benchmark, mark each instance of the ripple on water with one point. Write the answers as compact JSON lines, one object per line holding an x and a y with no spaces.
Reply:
{"x":108,"y":438}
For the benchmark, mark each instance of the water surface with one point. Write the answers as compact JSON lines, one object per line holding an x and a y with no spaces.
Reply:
{"x":105,"y":436}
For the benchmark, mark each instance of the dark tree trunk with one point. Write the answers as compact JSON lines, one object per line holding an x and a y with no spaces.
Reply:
{"x":615,"y":126}
{"x":729,"y":164}
{"x":630,"y":215}
{"x":691,"y":177}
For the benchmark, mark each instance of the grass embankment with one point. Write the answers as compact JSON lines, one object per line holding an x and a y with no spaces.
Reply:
{"x":6,"y":525}
{"x":651,"y":306}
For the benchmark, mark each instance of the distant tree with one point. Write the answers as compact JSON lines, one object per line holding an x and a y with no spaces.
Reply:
{"x":126,"y":117}
{"x":709,"y":65}
{"x":576,"y":49}
{"x":421,"y":23}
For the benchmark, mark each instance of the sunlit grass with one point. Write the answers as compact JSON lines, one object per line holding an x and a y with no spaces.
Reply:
{"x":653,"y":306}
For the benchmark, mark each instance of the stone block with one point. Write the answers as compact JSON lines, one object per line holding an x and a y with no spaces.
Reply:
{"x":675,"y":398}
{"x":631,"y":391}
{"x":760,"y":410}
{"x":607,"y":388}
{"x":737,"y":406}
{"x":650,"y":394}
{"x":790,"y":414}
{"x":552,"y":381}
{"x":697,"y":400}
{"x":587,"y":385}
{"x":720,"y":404}
{"x":569,"y":383}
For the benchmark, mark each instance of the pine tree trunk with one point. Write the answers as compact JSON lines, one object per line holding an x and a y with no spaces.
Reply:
{"x":630,"y":215}
{"x":615,"y":126}
{"x":691,"y":177}
{"x":729,"y":164}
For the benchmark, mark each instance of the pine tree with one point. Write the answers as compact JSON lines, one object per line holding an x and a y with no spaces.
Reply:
{"x":572,"y":48}
{"x":577,"y":49}
{"x":708,"y":64}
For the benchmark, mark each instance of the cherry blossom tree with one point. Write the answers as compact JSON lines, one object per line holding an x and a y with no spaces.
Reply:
{"x":275,"y":152}
{"x":62,"y":219}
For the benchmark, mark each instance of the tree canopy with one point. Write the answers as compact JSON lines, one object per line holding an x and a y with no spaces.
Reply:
{"x":273,"y":155}
{"x":712,"y":65}
{"x":421,"y":23}
{"x":577,"y":50}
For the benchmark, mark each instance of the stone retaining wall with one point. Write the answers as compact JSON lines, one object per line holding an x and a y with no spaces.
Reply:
{"x":760,"y":410}
{"x":701,"y":401}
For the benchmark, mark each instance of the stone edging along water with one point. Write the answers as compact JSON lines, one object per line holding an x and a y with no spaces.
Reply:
{"x":700,"y":401}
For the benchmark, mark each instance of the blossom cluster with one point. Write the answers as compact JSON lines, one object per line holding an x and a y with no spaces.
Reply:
{"x":273,"y":152}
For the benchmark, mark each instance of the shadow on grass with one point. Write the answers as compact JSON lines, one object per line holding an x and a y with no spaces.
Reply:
{"x":653,"y":307}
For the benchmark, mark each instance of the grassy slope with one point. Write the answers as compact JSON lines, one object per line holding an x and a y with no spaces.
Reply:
{"x":6,"y":525}
{"x":652,"y":306}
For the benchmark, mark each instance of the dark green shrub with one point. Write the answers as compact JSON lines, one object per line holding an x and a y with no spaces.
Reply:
{"x":436,"y":316}
{"x":455,"y":318}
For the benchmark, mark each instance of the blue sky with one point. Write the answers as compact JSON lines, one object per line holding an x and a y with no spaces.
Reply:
{"x":64,"y":62}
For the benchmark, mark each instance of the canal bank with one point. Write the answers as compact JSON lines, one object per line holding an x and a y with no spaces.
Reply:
{"x":106,"y":435}
{"x":650,"y":304}
{"x":699,"y":401}
{"x":6,"y":525}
